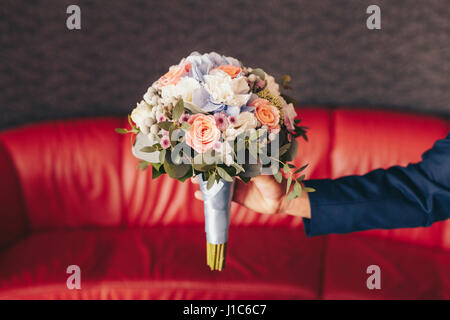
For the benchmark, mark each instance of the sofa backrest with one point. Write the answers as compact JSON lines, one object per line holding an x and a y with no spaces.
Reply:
{"x":80,"y":173}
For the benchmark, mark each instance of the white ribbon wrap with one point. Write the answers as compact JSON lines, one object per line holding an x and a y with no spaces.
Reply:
{"x":217,"y":202}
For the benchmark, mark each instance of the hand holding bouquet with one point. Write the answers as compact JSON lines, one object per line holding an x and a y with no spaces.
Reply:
{"x":211,"y":117}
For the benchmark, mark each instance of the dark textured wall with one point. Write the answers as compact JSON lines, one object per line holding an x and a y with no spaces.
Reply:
{"x":48,"y":72}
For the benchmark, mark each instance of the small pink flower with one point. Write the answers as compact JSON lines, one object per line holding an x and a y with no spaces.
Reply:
{"x":217,"y":146}
{"x":221,"y":120}
{"x":261,"y":84}
{"x":161,"y":118}
{"x":164,"y":133}
{"x":165,"y":142}
{"x":184,"y":118}
{"x":232,"y":120}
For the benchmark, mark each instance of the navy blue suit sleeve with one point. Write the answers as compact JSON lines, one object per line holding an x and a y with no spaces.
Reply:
{"x":399,"y":197}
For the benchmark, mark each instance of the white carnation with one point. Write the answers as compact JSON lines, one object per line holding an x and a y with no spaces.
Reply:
{"x":183,"y":89}
{"x":245,"y":121}
{"x":224,"y":89}
{"x":140,"y":114}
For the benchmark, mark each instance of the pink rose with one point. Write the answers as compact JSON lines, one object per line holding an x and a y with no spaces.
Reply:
{"x":203,"y":133}
{"x":266,"y":113}
{"x":174,"y":74}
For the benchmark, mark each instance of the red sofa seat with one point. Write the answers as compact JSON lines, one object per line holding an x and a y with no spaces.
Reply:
{"x":71,"y":194}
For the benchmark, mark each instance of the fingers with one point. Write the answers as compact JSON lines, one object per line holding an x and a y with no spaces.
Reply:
{"x":194,"y":180}
{"x":198,"y":195}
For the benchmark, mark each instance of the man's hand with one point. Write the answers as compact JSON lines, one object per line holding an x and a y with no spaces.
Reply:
{"x":263,"y":194}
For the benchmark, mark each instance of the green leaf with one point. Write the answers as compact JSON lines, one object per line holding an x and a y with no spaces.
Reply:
{"x":290,"y":196}
{"x":278,"y":177}
{"x":178,"y":110}
{"x":284,"y":149}
{"x":238,"y":168}
{"x":162,"y":155}
{"x":224,"y":175}
{"x":301,"y":169}
{"x":176,"y":171}
{"x":155,"y":173}
{"x":301,"y":178}
{"x":308,"y":189}
{"x":211,"y":180}
{"x":259,"y":72}
{"x":149,"y":149}
{"x":292,"y":151}
{"x":286,"y":168}
{"x":186,"y":176}
{"x":157,"y":165}
{"x":186,"y":126}
{"x":143,"y":165}
{"x":288,"y":184}
{"x":245,"y":179}
{"x":298,"y":189}
{"x":165,"y":125}
{"x":121,"y":130}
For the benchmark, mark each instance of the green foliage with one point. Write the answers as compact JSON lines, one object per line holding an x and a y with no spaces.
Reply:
{"x":259,"y":72}
{"x":178,"y":110}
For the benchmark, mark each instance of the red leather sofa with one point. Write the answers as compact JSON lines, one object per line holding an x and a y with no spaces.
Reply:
{"x":70,"y":194}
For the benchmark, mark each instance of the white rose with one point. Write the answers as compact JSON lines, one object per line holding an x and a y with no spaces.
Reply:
{"x":273,"y":87}
{"x":224,"y":89}
{"x":140,"y":114}
{"x":245,"y":121}
{"x":183,"y":89}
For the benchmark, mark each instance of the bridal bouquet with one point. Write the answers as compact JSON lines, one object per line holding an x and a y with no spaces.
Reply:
{"x":211,"y":117}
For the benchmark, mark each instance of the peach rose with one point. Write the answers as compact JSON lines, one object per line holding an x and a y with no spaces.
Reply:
{"x":203,"y":133}
{"x":229,"y":69}
{"x":174,"y":74}
{"x":266,"y":113}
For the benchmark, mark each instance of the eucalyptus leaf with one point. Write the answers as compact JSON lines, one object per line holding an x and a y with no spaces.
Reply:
{"x":298,"y":189}
{"x":308,"y":189}
{"x":192,"y":107}
{"x":165,"y":125}
{"x":186,"y":126}
{"x":284,"y":149}
{"x":148,"y":149}
{"x":224,"y":175}
{"x":162,"y":155}
{"x":292,"y":151}
{"x":143,"y":165}
{"x":211,"y":180}
{"x":155,"y":173}
{"x":301,"y":169}
{"x":288,"y":184}
{"x":278,"y":177}
{"x":178,"y":110}
{"x":121,"y":130}
{"x":291,"y":196}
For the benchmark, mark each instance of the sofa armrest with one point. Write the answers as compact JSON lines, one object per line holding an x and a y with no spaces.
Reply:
{"x":13,"y":220}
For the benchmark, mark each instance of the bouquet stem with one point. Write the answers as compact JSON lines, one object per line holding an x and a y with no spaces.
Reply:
{"x":215,"y":255}
{"x":217,"y":201}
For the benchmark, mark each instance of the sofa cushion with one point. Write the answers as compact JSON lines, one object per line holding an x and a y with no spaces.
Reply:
{"x":162,"y":263}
